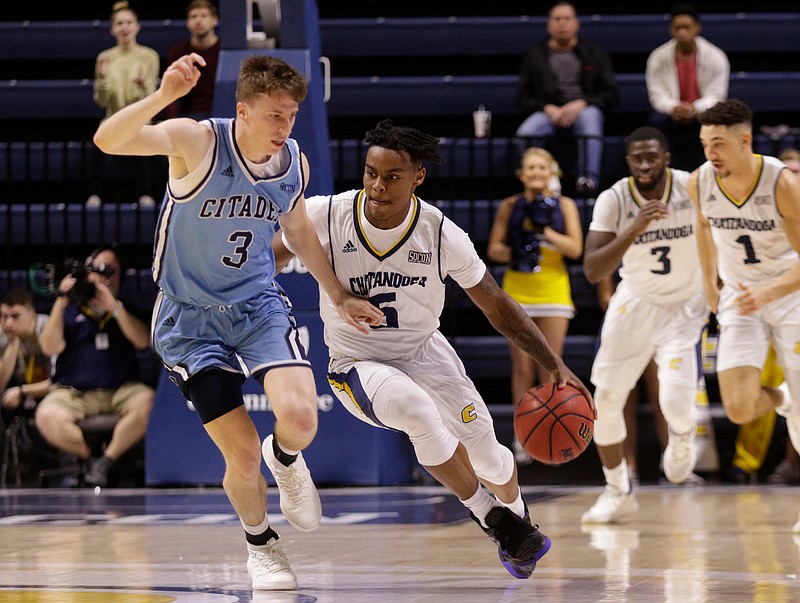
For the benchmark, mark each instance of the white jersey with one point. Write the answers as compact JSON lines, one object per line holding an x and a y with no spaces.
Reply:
{"x":401,"y":271}
{"x":752,"y":245}
{"x":661,"y":265}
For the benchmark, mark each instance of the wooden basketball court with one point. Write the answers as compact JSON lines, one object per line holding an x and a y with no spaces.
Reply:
{"x":686,"y":544}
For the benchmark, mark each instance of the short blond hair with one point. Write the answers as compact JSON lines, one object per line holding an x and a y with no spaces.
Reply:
{"x":263,"y":74}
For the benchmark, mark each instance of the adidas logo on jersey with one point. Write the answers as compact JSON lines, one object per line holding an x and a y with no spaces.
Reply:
{"x":631,"y":215}
{"x":168,"y":322}
{"x":349,"y":247}
{"x":228,"y":171}
{"x":711,"y":197}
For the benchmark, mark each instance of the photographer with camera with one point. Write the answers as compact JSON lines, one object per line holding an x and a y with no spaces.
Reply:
{"x":97,"y":370}
{"x":533,"y":232}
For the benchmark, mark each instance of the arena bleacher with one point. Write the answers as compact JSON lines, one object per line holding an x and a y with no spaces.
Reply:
{"x":429,"y":70}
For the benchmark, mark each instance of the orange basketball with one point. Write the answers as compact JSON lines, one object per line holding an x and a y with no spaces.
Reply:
{"x":554,"y":425}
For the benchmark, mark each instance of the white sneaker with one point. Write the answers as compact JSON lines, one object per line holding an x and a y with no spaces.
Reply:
{"x":680,"y":456}
{"x":610,"y":506}
{"x":520,"y":456}
{"x":791,"y":414}
{"x":300,"y":502}
{"x":269,"y":568}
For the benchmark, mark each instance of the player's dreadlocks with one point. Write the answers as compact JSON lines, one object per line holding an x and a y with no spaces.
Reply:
{"x":419,"y":145}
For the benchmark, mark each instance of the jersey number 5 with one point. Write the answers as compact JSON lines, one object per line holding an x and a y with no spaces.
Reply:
{"x":380,"y":301}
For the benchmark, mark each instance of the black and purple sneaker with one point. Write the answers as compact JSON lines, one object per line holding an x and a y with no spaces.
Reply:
{"x":520,"y":545}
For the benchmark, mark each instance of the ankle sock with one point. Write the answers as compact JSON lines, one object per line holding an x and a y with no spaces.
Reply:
{"x":480,"y":504}
{"x":285,"y":457}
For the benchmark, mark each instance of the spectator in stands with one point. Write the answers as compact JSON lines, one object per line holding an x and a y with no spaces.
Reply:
{"x":233,"y":182}
{"x":406,"y":376}
{"x":567,"y":83}
{"x":122,"y":75}
{"x":24,"y":368}
{"x":96,"y":337}
{"x":201,"y":21}
{"x":656,"y":311}
{"x":684,"y":77}
{"x":532,"y":233}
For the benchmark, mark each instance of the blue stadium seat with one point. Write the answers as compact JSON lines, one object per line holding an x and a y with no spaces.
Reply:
{"x":621,"y":34}
{"x":79,"y":39}
{"x":487,"y":356}
{"x":424,"y":36}
{"x":21,"y":161}
{"x":58,"y":223}
{"x":402,"y":95}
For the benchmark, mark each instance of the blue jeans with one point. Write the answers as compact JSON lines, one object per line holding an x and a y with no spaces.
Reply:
{"x":588,"y":129}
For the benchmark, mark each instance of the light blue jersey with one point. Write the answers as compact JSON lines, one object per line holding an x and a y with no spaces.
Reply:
{"x":213,"y":246}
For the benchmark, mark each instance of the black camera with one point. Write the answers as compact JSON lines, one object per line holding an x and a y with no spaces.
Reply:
{"x":542,"y":210}
{"x":83,"y":290}
{"x":44,"y":279}
{"x":525,"y":251}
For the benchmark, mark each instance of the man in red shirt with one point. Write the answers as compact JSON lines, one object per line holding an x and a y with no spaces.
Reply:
{"x":201,"y":21}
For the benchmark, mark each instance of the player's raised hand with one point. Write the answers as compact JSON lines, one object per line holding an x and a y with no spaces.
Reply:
{"x":182,"y":75}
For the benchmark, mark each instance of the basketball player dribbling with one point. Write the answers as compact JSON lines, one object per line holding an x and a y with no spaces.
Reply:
{"x":646,"y":222}
{"x":749,"y":239}
{"x":386,"y":244}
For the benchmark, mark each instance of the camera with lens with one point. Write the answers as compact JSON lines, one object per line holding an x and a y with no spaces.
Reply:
{"x":525,"y":251}
{"x":83,"y":290}
{"x":44,"y":279}
{"x":542,"y":211}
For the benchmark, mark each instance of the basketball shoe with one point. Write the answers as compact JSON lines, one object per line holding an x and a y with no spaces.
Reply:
{"x":300,"y":502}
{"x":680,"y":456}
{"x":269,"y":568}
{"x":791,"y":413}
{"x":610,"y":506}
{"x":520,"y":545}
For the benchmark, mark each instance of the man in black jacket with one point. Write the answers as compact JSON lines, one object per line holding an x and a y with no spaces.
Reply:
{"x":568,"y":83}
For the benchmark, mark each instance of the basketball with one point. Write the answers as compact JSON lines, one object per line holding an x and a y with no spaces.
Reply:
{"x":554,"y":425}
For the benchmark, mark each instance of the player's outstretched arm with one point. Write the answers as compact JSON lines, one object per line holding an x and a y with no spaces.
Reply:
{"x":127,"y":132}
{"x":508,"y":317}
{"x":299,"y":235}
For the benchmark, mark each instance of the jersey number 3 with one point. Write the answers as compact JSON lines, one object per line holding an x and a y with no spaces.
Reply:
{"x":666,"y":263}
{"x":242,"y":239}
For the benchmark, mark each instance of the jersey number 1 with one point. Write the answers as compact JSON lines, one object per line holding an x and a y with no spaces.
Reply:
{"x":749,"y":252}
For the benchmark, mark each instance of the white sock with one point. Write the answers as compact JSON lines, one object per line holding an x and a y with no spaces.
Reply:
{"x":480,"y":504}
{"x":256,"y":530}
{"x":517,"y":506}
{"x":617,"y":477}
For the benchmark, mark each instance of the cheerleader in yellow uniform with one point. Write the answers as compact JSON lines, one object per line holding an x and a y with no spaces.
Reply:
{"x":533,"y":233}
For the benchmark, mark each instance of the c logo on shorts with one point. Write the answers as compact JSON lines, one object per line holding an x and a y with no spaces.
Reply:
{"x":468,"y":414}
